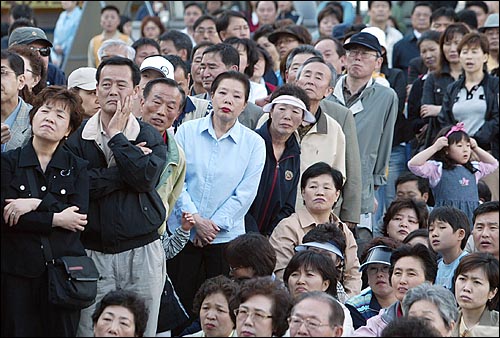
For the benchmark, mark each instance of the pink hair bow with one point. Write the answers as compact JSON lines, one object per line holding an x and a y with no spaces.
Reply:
{"x":458,"y":127}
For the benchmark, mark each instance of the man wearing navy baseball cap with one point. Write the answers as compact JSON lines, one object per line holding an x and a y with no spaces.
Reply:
{"x":375,"y":109}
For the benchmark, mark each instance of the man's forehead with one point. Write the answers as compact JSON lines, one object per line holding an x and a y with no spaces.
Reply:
{"x":211,"y":56}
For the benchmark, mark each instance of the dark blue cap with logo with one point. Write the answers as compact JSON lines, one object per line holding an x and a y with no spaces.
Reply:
{"x":364,"y":39}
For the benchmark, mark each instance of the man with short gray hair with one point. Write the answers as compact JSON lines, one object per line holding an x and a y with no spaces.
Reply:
{"x":114,"y":47}
{"x":306,"y":321}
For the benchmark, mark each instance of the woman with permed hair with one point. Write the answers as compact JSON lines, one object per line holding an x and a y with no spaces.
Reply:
{"x":214,"y":304}
{"x":264,"y":305}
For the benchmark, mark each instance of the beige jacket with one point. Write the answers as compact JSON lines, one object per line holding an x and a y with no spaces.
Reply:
{"x":324,"y":142}
{"x":289,"y":233}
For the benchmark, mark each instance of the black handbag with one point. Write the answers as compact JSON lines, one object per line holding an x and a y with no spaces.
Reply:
{"x":72,"y":280}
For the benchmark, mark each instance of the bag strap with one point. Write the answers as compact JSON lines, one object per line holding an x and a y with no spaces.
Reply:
{"x":47,"y":250}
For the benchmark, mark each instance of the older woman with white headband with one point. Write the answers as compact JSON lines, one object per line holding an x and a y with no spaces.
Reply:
{"x":276,"y":196}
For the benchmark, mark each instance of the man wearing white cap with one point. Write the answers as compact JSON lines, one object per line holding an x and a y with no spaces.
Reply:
{"x":277,"y":191}
{"x":84,"y":82}
{"x":153,"y":67}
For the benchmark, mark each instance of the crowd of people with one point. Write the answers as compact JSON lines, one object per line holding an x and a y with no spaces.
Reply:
{"x":247,"y":176}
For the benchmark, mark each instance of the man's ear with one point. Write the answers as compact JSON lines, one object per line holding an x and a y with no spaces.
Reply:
{"x":184,"y":55}
{"x":21,"y":81}
{"x":328,"y":91}
{"x":222,"y":35}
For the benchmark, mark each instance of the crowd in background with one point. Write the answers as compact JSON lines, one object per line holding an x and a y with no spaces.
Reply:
{"x":250,"y":176}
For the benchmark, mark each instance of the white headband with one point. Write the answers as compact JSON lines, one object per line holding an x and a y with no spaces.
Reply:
{"x":291,"y":100}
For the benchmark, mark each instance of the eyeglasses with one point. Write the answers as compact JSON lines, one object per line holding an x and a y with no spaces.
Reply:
{"x":6,"y":72}
{"x":372,"y":270}
{"x":362,"y":54}
{"x":44,"y":51}
{"x":310,"y":323}
{"x":258,"y":316}
{"x":202,"y":31}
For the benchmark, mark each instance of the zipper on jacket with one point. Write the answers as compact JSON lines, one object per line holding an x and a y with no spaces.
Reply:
{"x":275,"y":178}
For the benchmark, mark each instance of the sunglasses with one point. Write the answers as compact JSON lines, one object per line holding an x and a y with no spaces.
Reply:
{"x":44,"y":51}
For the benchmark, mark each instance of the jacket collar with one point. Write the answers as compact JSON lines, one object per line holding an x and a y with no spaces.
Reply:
{"x":291,"y":147}
{"x":234,"y":133}
{"x":94,"y":127}
{"x":338,"y":90}
{"x":28,"y":157}
{"x":307,"y":220}
{"x":173,"y":150}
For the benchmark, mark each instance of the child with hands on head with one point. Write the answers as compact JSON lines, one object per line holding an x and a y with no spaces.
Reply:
{"x":452,"y":173}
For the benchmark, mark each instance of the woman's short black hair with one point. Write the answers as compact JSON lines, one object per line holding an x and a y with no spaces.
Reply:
{"x":421,"y":252}
{"x":232,"y":74}
{"x":406,"y":203}
{"x":315,"y":261}
{"x":128,"y":299}
{"x":321,"y":168}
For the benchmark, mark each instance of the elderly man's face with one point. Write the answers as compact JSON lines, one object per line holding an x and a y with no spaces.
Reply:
{"x":361,"y":62}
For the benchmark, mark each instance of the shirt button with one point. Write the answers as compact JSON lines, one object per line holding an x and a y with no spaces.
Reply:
{"x":43,"y":188}
{"x":22,"y":187}
{"x":145,"y":208}
{"x":63,"y":191}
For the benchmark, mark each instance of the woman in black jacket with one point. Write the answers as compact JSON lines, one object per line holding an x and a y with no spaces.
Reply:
{"x":45,"y":192}
{"x":473,"y":100}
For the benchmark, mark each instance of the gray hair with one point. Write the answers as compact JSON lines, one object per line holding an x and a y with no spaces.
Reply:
{"x":334,"y":75}
{"x":115,"y":42}
{"x":337,"y":315}
{"x":436,"y":294}
{"x":302,"y":49}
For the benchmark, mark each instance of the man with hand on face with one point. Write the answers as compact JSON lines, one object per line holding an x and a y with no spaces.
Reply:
{"x":126,"y":158}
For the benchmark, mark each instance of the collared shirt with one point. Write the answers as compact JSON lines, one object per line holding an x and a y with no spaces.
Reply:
{"x":10,"y":120}
{"x":221,"y":175}
{"x":350,"y":97}
{"x":94,"y":130}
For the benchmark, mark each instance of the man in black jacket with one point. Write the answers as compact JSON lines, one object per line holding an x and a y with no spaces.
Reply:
{"x":126,"y":158}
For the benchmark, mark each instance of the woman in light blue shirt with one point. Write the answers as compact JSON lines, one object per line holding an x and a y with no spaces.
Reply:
{"x":65,"y":31}
{"x":224,"y":162}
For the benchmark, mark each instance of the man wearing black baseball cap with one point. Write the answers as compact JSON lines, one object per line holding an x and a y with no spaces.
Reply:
{"x":37,"y":40}
{"x":375,"y":109}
